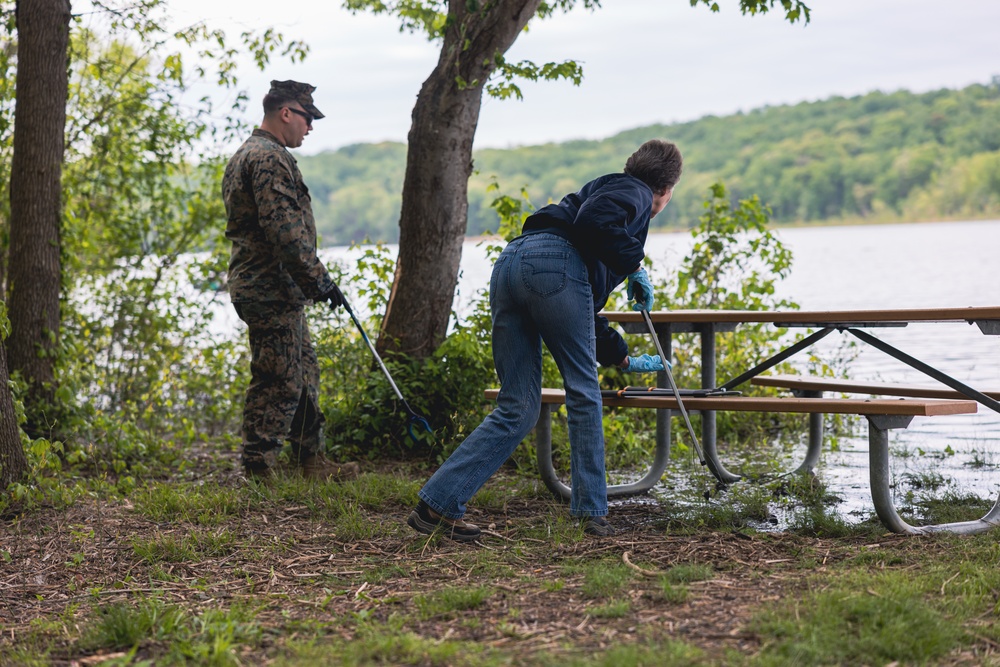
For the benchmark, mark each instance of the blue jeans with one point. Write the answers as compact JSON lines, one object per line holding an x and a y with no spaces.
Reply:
{"x":538,"y":292}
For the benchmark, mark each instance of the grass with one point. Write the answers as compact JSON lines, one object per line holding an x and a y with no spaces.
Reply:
{"x":952,"y":507}
{"x":327,"y":574}
{"x":194,"y":546}
{"x":605,"y":579}
{"x":445,"y":602}
{"x":389,"y":643}
{"x":888,"y":620}
{"x":612,"y":609}
{"x":195,"y":503}
{"x":670,"y":592}
{"x":208,"y":638}
{"x":661,"y":652}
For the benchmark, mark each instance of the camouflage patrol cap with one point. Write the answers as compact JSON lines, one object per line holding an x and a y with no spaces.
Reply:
{"x":300,"y":92}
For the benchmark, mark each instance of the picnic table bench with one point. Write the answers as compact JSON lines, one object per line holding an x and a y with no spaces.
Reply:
{"x":883,"y":415}
{"x":816,"y":387}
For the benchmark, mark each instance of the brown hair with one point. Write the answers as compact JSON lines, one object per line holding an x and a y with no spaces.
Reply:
{"x":274,"y":102}
{"x":657,"y":163}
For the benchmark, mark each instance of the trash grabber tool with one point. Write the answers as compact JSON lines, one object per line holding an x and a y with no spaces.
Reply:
{"x":673,"y":386}
{"x":414,"y":417}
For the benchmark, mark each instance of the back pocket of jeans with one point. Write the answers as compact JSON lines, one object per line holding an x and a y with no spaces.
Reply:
{"x":544,"y":272}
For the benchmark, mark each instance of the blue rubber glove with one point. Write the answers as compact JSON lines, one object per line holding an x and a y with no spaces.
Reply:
{"x":646,"y":364}
{"x":640,"y":289}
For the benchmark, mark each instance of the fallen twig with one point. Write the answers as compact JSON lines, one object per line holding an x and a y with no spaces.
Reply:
{"x":645,"y":573}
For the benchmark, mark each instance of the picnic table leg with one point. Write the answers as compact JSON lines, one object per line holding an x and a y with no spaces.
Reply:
{"x":878,"y":454}
{"x":708,"y":430}
{"x":815,"y":434}
{"x":543,"y":454}
{"x":547,"y":471}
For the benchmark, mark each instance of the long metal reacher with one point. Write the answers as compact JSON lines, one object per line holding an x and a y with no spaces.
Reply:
{"x":414,"y":417}
{"x":673,"y":386}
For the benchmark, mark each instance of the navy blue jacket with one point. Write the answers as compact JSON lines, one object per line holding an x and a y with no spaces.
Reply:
{"x":607,"y":222}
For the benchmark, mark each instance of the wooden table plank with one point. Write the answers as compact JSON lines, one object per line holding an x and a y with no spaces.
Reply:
{"x":923,"y":408}
{"x":854,"y":387}
{"x":974,"y":313}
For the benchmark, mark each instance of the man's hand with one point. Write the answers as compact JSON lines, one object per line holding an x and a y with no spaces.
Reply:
{"x":335,"y":297}
{"x":640,"y":289}
{"x":645,"y":364}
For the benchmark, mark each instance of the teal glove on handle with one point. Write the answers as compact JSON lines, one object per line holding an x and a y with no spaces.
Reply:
{"x":640,"y":289}
{"x":646,"y":364}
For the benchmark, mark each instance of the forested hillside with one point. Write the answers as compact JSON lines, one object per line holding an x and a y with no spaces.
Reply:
{"x":877,"y":157}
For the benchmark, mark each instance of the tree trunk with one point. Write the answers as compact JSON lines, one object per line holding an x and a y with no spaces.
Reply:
{"x":13,"y":464}
{"x":435,"y":203}
{"x":36,"y":197}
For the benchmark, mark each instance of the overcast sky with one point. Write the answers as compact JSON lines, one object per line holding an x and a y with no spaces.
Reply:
{"x":645,"y":61}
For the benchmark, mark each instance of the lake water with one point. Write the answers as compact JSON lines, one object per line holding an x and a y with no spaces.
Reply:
{"x":910,"y":266}
{"x":880,"y":266}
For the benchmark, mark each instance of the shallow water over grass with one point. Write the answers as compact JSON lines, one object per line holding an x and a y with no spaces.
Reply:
{"x":927,"y":465}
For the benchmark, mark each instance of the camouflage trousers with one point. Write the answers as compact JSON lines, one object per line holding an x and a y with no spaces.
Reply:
{"x":282,"y":402}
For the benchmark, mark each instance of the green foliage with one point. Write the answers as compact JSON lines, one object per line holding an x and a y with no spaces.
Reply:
{"x":640,"y":654}
{"x":359,"y":187}
{"x":140,"y":372}
{"x":795,"y":10}
{"x":503,"y":86}
{"x":877,"y":157}
{"x":734,"y":264}
{"x":138,"y":354}
{"x":671,"y":592}
{"x":198,"y":504}
{"x":511,"y":211}
{"x":736,"y":260}
{"x":364,"y":415}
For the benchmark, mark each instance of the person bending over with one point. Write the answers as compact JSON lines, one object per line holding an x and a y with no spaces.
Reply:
{"x":548,"y":286}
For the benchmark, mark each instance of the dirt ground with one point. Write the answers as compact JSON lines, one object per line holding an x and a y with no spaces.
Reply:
{"x":293,"y":566}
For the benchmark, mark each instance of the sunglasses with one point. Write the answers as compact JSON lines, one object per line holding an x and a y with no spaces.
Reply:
{"x":309,"y":118}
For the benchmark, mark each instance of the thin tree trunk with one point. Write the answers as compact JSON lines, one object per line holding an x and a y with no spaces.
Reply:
{"x":13,"y":464}
{"x":36,"y":197}
{"x":3,"y":265}
{"x":435,"y":202}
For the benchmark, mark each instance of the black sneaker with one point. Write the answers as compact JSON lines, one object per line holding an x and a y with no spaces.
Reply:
{"x":598,"y":526}
{"x":425,"y":520}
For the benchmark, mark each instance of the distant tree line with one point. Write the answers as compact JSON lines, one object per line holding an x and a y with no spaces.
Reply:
{"x":875,"y":157}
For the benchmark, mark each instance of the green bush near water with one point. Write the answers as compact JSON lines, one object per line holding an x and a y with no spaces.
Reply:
{"x":187,"y":385}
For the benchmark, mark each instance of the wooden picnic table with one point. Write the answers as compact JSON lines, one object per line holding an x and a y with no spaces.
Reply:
{"x":708,"y":323}
{"x":882,"y":415}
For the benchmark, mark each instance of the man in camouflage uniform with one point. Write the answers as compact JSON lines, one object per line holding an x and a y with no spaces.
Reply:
{"x":273,"y":274}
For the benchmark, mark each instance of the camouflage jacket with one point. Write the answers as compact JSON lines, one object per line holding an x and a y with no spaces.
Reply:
{"x":271,"y":226}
